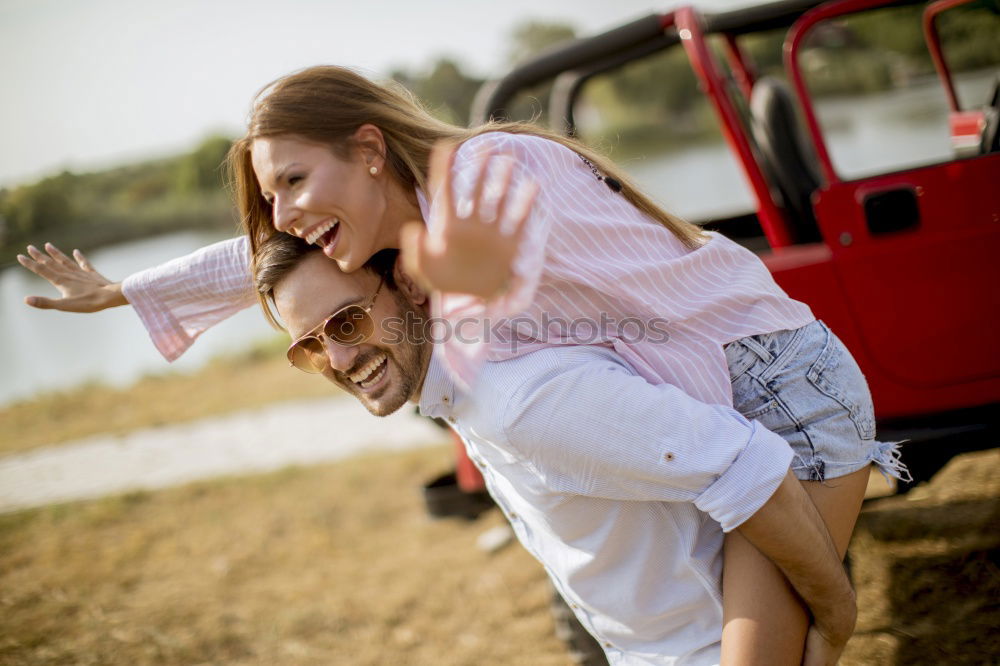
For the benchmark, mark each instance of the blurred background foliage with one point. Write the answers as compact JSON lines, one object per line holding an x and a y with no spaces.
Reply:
{"x":648,"y":105}
{"x":89,"y":210}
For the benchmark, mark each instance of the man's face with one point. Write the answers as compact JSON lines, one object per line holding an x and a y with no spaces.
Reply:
{"x":383,"y":372}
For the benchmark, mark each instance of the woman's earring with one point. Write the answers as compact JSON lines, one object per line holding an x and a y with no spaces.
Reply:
{"x":373,"y":170}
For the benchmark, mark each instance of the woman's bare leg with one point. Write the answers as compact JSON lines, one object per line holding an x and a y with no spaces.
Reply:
{"x":764,"y":621}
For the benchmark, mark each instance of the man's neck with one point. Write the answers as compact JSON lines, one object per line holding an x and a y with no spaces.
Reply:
{"x":426,"y":353}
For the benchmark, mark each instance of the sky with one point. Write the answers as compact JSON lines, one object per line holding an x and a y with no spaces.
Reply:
{"x":88,"y":84}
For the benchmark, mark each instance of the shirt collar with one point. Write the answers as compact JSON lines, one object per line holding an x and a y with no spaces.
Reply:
{"x":437,"y":396}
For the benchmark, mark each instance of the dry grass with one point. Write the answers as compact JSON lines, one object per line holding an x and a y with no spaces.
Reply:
{"x":927,"y":569}
{"x":249,"y":380}
{"x":339,"y":565}
{"x":327,"y":565}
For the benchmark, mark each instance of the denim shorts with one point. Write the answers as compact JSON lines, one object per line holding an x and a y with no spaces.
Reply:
{"x":804,"y":385}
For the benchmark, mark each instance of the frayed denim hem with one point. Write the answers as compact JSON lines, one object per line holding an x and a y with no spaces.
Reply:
{"x":886,"y":455}
{"x":889,"y":459}
{"x":813,"y":470}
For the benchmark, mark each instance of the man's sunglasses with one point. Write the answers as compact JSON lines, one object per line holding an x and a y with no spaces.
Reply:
{"x":348,"y":326}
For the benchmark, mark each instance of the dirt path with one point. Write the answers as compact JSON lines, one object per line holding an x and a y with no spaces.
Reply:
{"x":300,"y":432}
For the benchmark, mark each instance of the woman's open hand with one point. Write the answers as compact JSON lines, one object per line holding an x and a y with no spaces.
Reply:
{"x":472,"y":252}
{"x":83,"y":289}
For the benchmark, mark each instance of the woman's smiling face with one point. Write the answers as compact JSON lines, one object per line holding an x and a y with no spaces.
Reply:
{"x":335,"y":203}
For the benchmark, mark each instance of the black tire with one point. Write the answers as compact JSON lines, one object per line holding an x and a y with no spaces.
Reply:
{"x":584,"y":649}
{"x":444,"y":499}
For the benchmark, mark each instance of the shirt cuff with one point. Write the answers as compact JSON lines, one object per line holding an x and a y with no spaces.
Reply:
{"x":167,"y":334}
{"x":750,"y":481}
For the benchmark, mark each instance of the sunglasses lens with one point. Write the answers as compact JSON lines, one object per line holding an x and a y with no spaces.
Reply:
{"x":351,"y":326}
{"x":308,"y":355}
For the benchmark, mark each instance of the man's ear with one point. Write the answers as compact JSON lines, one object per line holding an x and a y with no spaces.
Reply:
{"x":406,"y":284}
{"x":371,"y":145}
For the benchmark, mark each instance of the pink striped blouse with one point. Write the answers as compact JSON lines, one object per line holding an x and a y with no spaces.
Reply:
{"x":592,"y":270}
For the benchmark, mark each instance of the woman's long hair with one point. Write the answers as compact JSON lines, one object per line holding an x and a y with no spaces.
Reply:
{"x":326,"y":104}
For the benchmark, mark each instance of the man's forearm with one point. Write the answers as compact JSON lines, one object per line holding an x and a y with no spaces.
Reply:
{"x":790,"y":532}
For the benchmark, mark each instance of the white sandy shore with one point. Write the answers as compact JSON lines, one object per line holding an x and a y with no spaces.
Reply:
{"x":293,"y":433}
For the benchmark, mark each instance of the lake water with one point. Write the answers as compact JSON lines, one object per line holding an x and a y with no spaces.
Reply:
{"x":46,"y":350}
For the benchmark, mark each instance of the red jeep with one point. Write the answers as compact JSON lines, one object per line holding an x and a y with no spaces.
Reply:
{"x":903,"y":264}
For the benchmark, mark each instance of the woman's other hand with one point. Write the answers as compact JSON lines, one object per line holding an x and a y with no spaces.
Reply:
{"x":82,"y":288}
{"x":472,"y":252}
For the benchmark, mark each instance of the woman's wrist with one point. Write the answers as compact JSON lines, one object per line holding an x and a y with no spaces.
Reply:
{"x":113,"y":296}
{"x":499,"y":292}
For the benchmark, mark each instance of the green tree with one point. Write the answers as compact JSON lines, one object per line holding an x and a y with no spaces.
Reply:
{"x":663,"y":84}
{"x":970,"y":36}
{"x":46,"y":204}
{"x":200,"y":170}
{"x":530,"y":38}
{"x":447,"y":91}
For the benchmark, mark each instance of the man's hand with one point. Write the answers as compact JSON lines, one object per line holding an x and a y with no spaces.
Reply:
{"x":821,"y":651}
{"x":83,"y":289}
{"x":790,"y":532}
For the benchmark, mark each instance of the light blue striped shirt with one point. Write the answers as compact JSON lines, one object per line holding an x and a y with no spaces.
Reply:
{"x":622,"y":489}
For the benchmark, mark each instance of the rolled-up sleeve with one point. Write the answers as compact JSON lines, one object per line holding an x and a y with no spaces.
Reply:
{"x":589,"y":424}
{"x":750,"y":480}
{"x":179,"y":300}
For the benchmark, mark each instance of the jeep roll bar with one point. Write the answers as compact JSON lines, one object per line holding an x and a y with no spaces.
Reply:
{"x":587,"y":52}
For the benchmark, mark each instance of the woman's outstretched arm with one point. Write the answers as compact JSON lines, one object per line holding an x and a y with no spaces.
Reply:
{"x":176,"y":301}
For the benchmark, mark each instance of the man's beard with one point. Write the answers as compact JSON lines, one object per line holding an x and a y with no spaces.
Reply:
{"x":408,"y":358}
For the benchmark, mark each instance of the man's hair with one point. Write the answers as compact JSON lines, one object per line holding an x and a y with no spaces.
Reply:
{"x":277,"y":256}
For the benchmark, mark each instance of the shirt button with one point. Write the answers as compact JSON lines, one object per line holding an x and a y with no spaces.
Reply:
{"x":444,"y":398}
{"x":668,"y":457}
{"x":574,"y":606}
{"x":481,"y":463}
{"x":512,"y":516}
{"x":607,"y":644}
{"x":451,"y":419}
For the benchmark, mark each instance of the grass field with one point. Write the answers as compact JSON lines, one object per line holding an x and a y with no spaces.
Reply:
{"x":328,"y":565}
{"x":338,"y":564}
